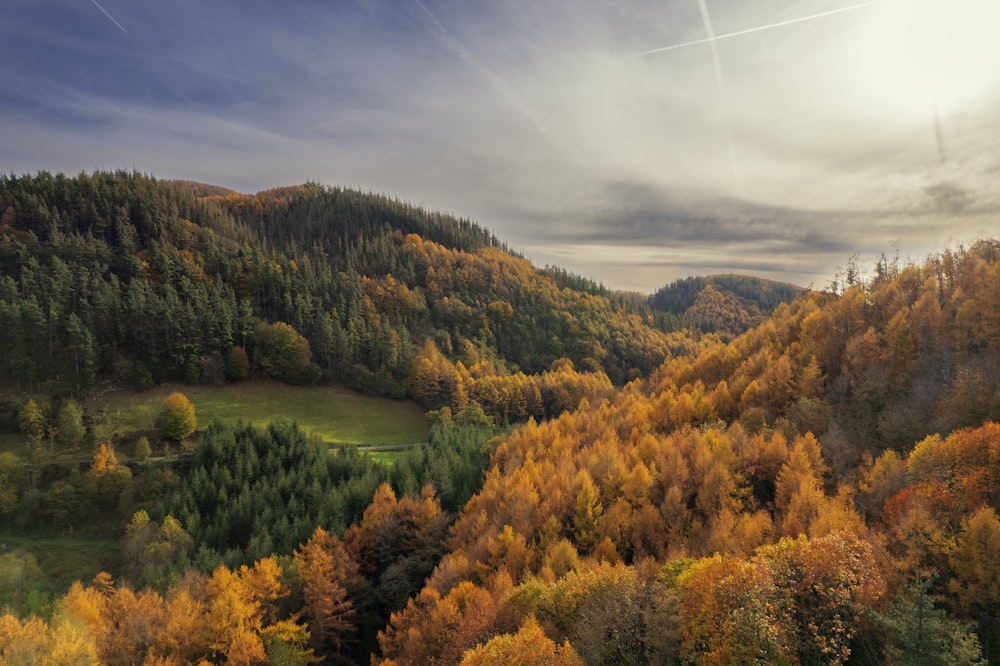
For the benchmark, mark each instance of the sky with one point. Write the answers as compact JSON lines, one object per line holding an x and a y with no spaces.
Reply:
{"x":630,"y":141}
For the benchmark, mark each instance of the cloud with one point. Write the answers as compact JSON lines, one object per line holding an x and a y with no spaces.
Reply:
{"x":537,"y":121}
{"x":948,"y":198}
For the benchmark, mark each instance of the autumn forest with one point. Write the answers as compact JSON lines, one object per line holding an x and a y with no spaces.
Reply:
{"x":728,"y":471}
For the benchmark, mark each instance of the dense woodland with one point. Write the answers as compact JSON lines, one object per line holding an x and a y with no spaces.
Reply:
{"x":724,"y":304}
{"x":810,"y":477}
{"x":120,"y":277}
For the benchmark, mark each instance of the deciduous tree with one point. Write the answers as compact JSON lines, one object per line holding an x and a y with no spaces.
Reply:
{"x":31,"y":420}
{"x":177,"y":419}
{"x":327,"y":607}
{"x":528,"y":647}
{"x":69,"y":424}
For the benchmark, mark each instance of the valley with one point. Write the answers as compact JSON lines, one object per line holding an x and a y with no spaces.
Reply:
{"x":345,"y":429}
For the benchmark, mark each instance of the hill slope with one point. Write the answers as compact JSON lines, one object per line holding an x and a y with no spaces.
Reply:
{"x":822,"y":454}
{"x":119,"y":277}
{"x":728,"y":304}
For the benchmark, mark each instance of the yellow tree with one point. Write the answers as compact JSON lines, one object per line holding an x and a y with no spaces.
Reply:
{"x":326,"y":605}
{"x":25,"y":643}
{"x":130,"y":625}
{"x":231,"y":611}
{"x":587,"y":509}
{"x":437,"y":629}
{"x":824,"y":588}
{"x":184,"y":633}
{"x":31,"y":420}
{"x":528,"y":647}
{"x":728,"y":614}
{"x":177,"y":419}
{"x":105,"y":460}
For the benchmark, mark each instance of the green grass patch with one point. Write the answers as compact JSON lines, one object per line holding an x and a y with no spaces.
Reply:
{"x":387,"y":456}
{"x":338,"y":415}
{"x":388,"y":453}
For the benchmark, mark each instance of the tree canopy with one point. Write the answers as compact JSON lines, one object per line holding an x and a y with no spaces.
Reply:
{"x":177,"y":419}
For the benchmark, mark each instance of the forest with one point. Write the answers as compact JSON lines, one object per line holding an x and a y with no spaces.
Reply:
{"x":728,"y":471}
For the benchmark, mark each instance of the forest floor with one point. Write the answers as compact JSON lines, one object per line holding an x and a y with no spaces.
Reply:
{"x":337,"y":414}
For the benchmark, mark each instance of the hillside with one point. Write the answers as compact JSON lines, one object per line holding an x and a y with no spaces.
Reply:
{"x":798,"y":495}
{"x":817,"y":484}
{"x":116,"y":278}
{"x":727,"y":304}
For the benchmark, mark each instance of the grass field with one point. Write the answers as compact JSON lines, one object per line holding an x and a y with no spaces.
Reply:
{"x":338,"y":415}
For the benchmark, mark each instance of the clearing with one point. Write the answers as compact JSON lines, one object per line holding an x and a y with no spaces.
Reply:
{"x":337,"y":414}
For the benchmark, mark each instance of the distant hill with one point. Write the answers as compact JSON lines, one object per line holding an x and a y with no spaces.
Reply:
{"x":121,"y":279}
{"x":729,"y":304}
{"x":202,"y":189}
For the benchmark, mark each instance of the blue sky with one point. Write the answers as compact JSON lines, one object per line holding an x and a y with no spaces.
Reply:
{"x":808,"y":130}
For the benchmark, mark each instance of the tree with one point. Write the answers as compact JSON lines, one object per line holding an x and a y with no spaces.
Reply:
{"x":11,"y":479}
{"x":587,"y":509}
{"x":918,"y":633}
{"x":69,"y":424}
{"x":326,"y":604}
{"x":130,"y":623}
{"x":232,"y":610}
{"x":31,"y":420}
{"x":105,"y":460}
{"x":614,"y":621}
{"x":283,"y":353}
{"x":142,"y":448}
{"x":729,"y":614}
{"x":824,"y":587}
{"x":82,"y":353}
{"x":286,"y":642}
{"x":177,"y":418}
{"x":237,"y":365}
{"x":977,"y":574}
{"x":246,"y":649}
{"x":528,"y":647}
{"x":436,"y":629}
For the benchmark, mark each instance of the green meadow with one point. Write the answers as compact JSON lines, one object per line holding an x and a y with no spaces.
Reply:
{"x":338,"y":415}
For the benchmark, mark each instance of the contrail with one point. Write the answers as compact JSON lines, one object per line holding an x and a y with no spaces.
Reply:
{"x":498,"y":83}
{"x":761,"y":28}
{"x":937,"y":48}
{"x":707,"y":21}
{"x":105,"y":11}
{"x":717,"y":62}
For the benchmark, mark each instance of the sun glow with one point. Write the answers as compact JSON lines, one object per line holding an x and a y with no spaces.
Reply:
{"x":915,"y":53}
